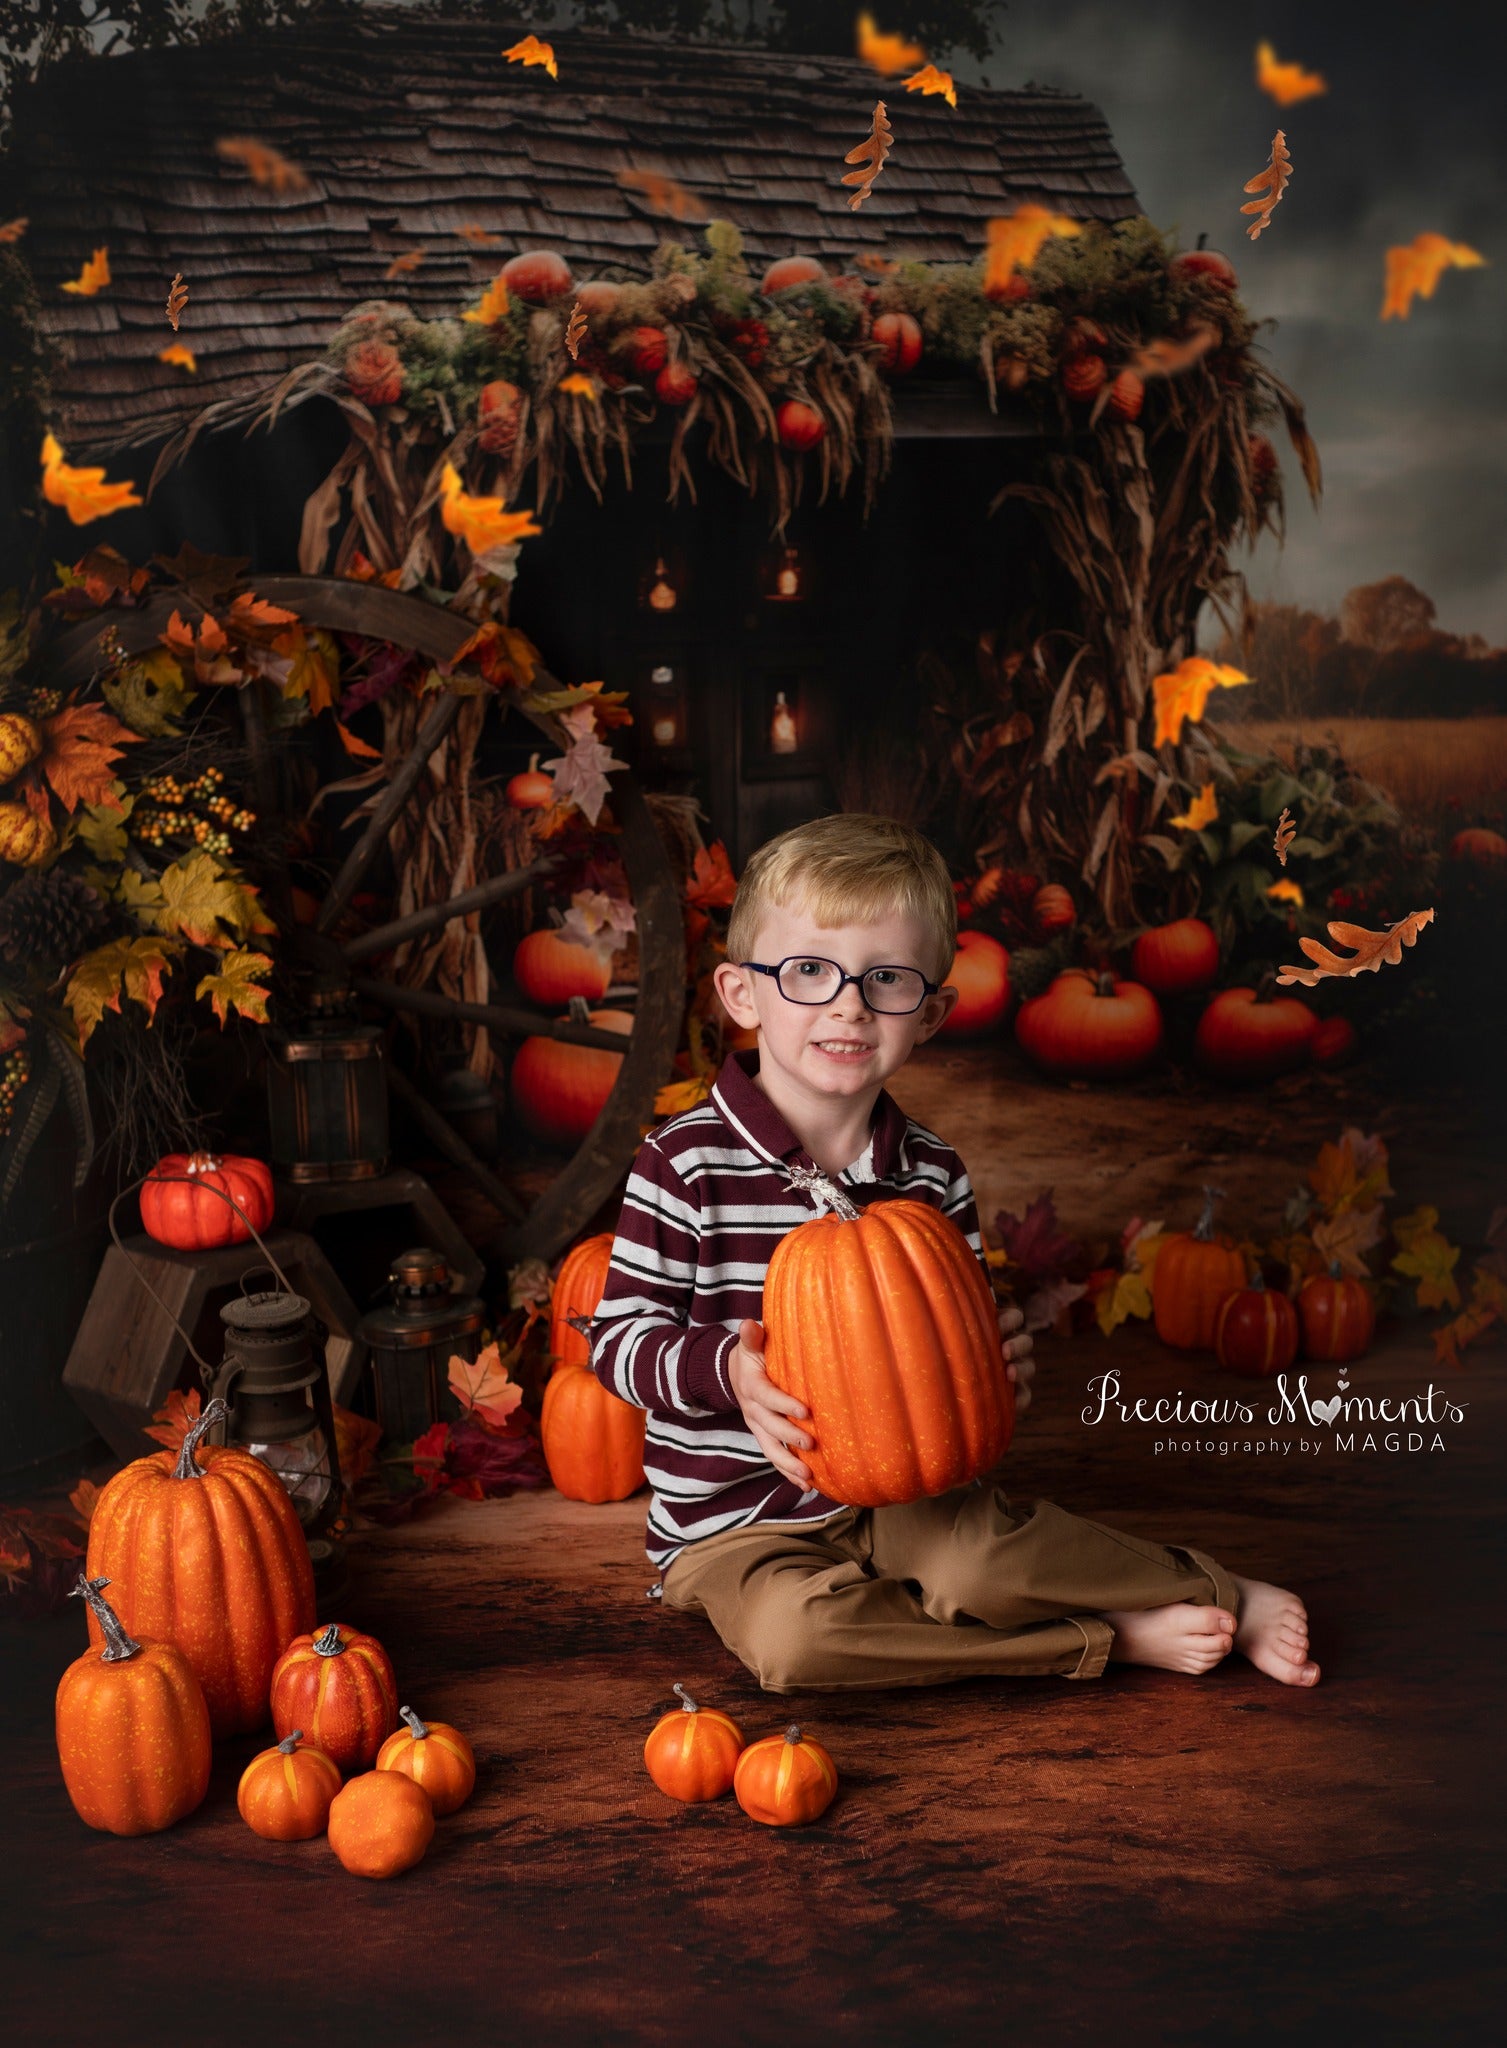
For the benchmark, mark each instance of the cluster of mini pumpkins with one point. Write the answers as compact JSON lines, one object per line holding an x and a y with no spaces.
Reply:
{"x":697,"y":1753}
{"x":184,"y":1657}
{"x":1203,"y":1300}
{"x":26,"y":835}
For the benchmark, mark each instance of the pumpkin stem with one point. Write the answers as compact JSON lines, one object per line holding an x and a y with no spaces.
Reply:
{"x":685,"y":1700}
{"x":416,"y":1727}
{"x":118,"y":1645}
{"x":327,"y":1642}
{"x":1265,"y":986}
{"x":792,"y":1733}
{"x":1104,"y":983}
{"x":1203,"y":1229}
{"x":820,"y":1188}
{"x":188,"y":1466}
{"x":201,"y":1162}
{"x":1334,"y":1269}
{"x":533,"y":764}
{"x":290,"y":1742}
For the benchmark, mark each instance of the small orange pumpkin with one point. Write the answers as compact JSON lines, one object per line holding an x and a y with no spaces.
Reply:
{"x":1337,"y":1314}
{"x":1478,"y":844}
{"x":531,"y":789}
{"x":1090,"y":1026}
{"x":381,"y":1824}
{"x":25,"y":839}
{"x":182,"y":1201}
{"x":1052,"y":910}
{"x":560,"y":1090}
{"x":577,"y":1292}
{"x":593,"y":1442}
{"x":786,"y":271}
{"x":784,"y":1780}
{"x":434,"y":1755}
{"x":692,"y":1752}
{"x":132,"y":1728}
{"x":285,"y":1792}
{"x":1256,"y":1329}
{"x":981,"y":975}
{"x":1195,"y":1273}
{"x":338,"y":1684}
{"x":1248,"y":1034}
{"x":1176,"y":959}
{"x":550,"y":968}
{"x":1333,"y":1042}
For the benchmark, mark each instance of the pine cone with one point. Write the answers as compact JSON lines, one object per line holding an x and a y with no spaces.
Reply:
{"x":50,"y":918}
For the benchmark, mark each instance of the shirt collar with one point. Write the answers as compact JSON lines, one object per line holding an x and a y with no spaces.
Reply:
{"x":756,"y":1119}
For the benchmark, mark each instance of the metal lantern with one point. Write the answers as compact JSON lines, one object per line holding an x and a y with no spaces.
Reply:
{"x":412,"y":1340}
{"x":277,"y":1394}
{"x":327,"y":1092}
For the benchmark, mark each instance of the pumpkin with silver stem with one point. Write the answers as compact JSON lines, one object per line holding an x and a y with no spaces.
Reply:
{"x":692,"y":1752}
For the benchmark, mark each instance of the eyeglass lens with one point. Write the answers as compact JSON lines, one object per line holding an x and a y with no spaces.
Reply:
{"x":884,"y":988}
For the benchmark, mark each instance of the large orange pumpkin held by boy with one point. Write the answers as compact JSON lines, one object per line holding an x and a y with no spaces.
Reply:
{"x":797,"y":1233}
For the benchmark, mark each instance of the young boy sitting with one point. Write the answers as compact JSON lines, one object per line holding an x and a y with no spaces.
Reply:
{"x":840,"y":937}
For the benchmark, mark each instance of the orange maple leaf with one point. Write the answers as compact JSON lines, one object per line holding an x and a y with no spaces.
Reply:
{"x":930,"y":80}
{"x":264,"y":165}
{"x":177,"y":299}
{"x":82,"y":742}
{"x":661,"y":193}
{"x":482,"y":523}
{"x":175,"y":1418}
{"x":1286,"y":891}
{"x":1203,"y":810}
{"x":84,"y":1499}
{"x":482,"y":1386}
{"x":1415,"y":268}
{"x":401,"y":266}
{"x":1287,"y":83}
{"x":179,"y":354}
{"x":887,"y":53}
{"x":1184,"y":691}
{"x":1015,"y":241}
{"x":494,"y":304}
{"x":209,"y":652}
{"x":14,"y":229}
{"x":362,"y":570}
{"x":94,"y":276}
{"x":532,"y":51}
{"x":711,"y":882}
{"x":255,"y":617}
{"x":82,"y":493}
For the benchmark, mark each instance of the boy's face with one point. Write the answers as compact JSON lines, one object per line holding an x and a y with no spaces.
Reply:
{"x":801,"y":1039}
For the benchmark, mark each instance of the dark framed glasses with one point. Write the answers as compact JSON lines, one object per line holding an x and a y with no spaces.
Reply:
{"x":805,"y":978}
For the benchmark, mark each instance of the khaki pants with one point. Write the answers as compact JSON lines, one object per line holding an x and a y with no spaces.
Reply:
{"x":956,"y":1586}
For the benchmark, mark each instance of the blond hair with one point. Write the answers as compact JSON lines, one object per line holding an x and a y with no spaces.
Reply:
{"x":850,"y":868}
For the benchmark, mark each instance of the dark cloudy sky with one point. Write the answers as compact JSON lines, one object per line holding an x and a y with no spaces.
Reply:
{"x":1410,"y":416}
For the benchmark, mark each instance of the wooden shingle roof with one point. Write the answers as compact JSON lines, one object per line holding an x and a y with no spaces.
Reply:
{"x":410,"y":128}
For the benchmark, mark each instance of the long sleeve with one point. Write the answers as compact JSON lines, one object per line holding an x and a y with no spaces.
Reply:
{"x":644,"y":1346}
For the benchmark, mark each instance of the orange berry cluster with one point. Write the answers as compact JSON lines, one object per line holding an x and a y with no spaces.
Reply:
{"x":15,"y":1071}
{"x":198,"y":810}
{"x":42,"y":703}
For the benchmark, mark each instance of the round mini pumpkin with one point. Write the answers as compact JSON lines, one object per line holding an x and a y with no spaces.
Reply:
{"x":1052,"y":910}
{"x":434,"y":1755}
{"x":791,"y":270}
{"x":1478,"y":844}
{"x":1337,"y":1314}
{"x":881,"y":1322}
{"x":339,"y":1684}
{"x":1090,"y":1027}
{"x":285,"y":1792}
{"x":593,"y":1442}
{"x":1194,"y":1275}
{"x":182,"y":1205}
{"x":981,"y":975}
{"x":550,"y":968}
{"x":560,"y":1090}
{"x":799,"y":425}
{"x":1083,"y":376}
{"x":692,"y":1752}
{"x":530,"y":789}
{"x":1247,"y":1034}
{"x":1255,"y":1330}
{"x":132,"y":1728}
{"x":538,"y":275}
{"x":676,"y":384}
{"x":899,"y":339}
{"x":1127,"y":394}
{"x":784,"y":1780}
{"x":381,"y":1824}
{"x":1176,"y":959}
{"x":577,"y":1292}
{"x":208,"y":1554}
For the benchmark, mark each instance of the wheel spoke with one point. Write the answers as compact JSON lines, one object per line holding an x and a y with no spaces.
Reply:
{"x":508,"y":1023}
{"x":386,"y":936}
{"x":441,"y":718}
{"x":447,"y":1140}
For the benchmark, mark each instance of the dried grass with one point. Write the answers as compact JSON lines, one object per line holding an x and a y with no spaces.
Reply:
{"x":1420,"y":762}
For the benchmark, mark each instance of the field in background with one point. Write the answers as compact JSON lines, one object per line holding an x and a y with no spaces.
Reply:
{"x":1420,"y":762}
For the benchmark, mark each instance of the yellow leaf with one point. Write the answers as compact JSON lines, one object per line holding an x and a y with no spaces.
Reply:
{"x":82,"y":493}
{"x":1415,"y":268}
{"x":494,"y":304}
{"x":532,"y":51}
{"x":583,"y":386}
{"x":1286,"y":891}
{"x":315,"y":673}
{"x":1409,"y":1230}
{"x":94,"y":276}
{"x":679,"y":1095}
{"x":1430,"y":1260}
{"x":480,"y":522}
{"x":1183,"y":692}
{"x":1129,"y":1296}
{"x":1203,"y":810}
{"x":199,"y":897}
{"x":120,"y":968}
{"x":1287,"y":83}
{"x":233,"y":986}
{"x":1015,"y":241}
{"x":930,"y":80}
{"x":179,"y":355}
{"x":887,"y":53}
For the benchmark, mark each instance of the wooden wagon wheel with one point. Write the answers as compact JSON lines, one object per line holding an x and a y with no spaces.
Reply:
{"x":339,"y":605}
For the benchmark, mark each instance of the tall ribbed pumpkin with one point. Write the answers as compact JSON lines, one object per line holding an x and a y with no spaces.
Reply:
{"x":206,"y":1552}
{"x":881,"y":1321}
{"x":577,"y":1291}
{"x":593,"y":1442}
{"x":1195,"y":1274}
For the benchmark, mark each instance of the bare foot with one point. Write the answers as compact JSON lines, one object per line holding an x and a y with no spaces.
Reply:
{"x":1173,"y":1638}
{"x":1273,"y":1632}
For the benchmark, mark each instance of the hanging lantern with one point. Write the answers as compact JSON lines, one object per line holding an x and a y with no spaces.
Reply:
{"x":412,"y":1340}
{"x":783,"y":738}
{"x":277,"y":1396}
{"x":785,"y":576}
{"x":662,"y":586}
{"x":666,"y":701}
{"x":327,"y":1092}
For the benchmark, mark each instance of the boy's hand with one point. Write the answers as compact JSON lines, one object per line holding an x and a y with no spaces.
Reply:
{"x":771,"y":1416}
{"x":1020,"y":1366}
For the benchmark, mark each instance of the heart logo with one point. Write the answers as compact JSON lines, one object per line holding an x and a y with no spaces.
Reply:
{"x":1326,"y":1410}
{"x":1342,"y":1384}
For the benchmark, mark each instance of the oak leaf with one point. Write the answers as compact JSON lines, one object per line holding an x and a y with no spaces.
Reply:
{"x":175,"y":1418}
{"x":1286,"y":833}
{"x":1287,"y":83}
{"x":532,"y":51}
{"x":177,"y":299}
{"x":659,"y":193}
{"x":1415,"y":268}
{"x":232,"y":985}
{"x":1370,"y":949}
{"x":1272,"y":182}
{"x":930,"y":80}
{"x":871,"y":152}
{"x":482,"y":523}
{"x":887,"y":53}
{"x":575,"y":331}
{"x":1183,"y":692}
{"x":1015,"y":239}
{"x":1203,"y":810}
{"x":82,"y":493}
{"x":493,"y":306}
{"x":179,"y":356}
{"x":82,"y":742}
{"x":402,"y":266}
{"x":121,"y":968}
{"x":264,"y":165}
{"x":198,"y":897}
{"x":483,"y":1386}
{"x":94,"y":276}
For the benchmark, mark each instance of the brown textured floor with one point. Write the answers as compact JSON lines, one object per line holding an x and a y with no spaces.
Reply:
{"x":1148,"y":1857}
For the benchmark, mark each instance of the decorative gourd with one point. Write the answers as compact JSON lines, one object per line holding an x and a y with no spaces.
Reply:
{"x":1256,"y":1330}
{"x":882,"y":1323}
{"x":285,"y":1792}
{"x":560,"y":1090}
{"x":1337,"y":1314}
{"x":676,"y":384}
{"x":1207,"y":264}
{"x":791,"y":270}
{"x":339,"y":1684}
{"x":981,"y":975}
{"x":132,"y":1728}
{"x":1052,"y":910}
{"x":784,"y":1780}
{"x":499,"y":414}
{"x":208,"y":1554}
{"x":647,"y":348}
{"x":593,"y":1442}
{"x":899,"y":339}
{"x":1176,"y":959}
{"x":194,"y":1219}
{"x":692,"y":1752}
{"x":21,"y":743}
{"x":549,"y":969}
{"x":434,"y":1755}
{"x":381,"y":1824}
{"x":799,"y":425}
{"x":1090,"y":1027}
{"x":538,"y":275}
{"x":25,"y":839}
{"x":1333,"y":1042}
{"x":1127,"y":394}
{"x":531,"y":789}
{"x":1247,"y":1034}
{"x":1083,"y":376}
{"x":1478,"y":844}
{"x":1195,"y":1273}
{"x":598,"y":295}
{"x":576,"y":1292}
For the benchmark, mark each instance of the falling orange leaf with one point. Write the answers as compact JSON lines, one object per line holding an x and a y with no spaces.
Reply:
{"x":264,"y":165}
{"x":582,"y":385}
{"x":82,"y":493}
{"x":177,"y":299}
{"x":404,"y":266}
{"x":94,"y":276}
{"x":175,"y":1418}
{"x":472,"y":233}
{"x":887,"y":53}
{"x":481,"y":523}
{"x":661,"y":193}
{"x":1272,"y":182}
{"x":575,"y":331}
{"x":1286,"y":891}
{"x":1168,"y":354}
{"x":532,"y":51}
{"x":1286,"y":833}
{"x":1287,"y":83}
{"x":483,"y":1388}
{"x":1203,"y":810}
{"x":1370,"y":949}
{"x":875,"y":264}
{"x":179,"y":354}
{"x":355,"y":746}
{"x":1015,"y":241}
{"x":494,"y":304}
{"x":1416,"y":267}
{"x":13,"y":230}
{"x":930,"y":80}
{"x":1184,"y":691}
{"x":872,"y":151}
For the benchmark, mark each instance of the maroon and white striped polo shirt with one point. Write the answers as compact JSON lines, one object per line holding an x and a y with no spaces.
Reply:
{"x":705,"y":1206}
